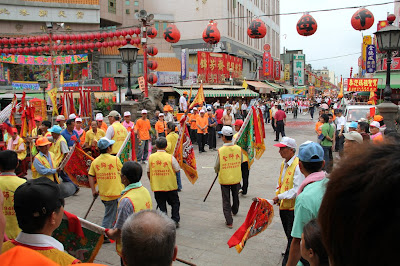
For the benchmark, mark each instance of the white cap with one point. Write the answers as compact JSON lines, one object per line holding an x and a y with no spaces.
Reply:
{"x":127,"y":113}
{"x":226,"y":131}
{"x":353,"y":135}
{"x":375,"y":124}
{"x":78,"y":119}
{"x":161,"y":114}
{"x":194,"y":108}
{"x":144,"y":111}
{"x":99,"y":117}
{"x":72,"y":116}
{"x":287,"y":142}
{"x":202,"y":111}
{"x":60,"y":118}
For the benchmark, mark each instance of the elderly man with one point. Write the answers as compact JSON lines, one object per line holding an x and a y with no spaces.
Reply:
{"x":149,"y":238}
{"x":351,"y":141}
{"x":44,"y":162}
{"x":100,"y":124}
{"x":92,"y":137}
{"x":17,"y":144}
{"x":376,"y":135}
{"x":60,"y":120}
{"x":289,"y":181}
{"x":183,"y":102}
{"x":116,"y":131}
{"x":128,"y":124}
{"x":142,"y":131}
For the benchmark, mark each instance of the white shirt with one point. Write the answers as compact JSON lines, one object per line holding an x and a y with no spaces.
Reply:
{"x":175,"y":164}
{"x":39,"y":240}
{"x":12,"y":142}
{"x":110,"y":132}
{"x":183,"y":103}
{"x":298,"y":178}
{"x":216,"y":105}
{"x":340,"y":121}
{"x":244,"y":107}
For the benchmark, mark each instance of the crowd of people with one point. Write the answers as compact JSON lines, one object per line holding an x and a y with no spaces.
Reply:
{"x":324,"y":208}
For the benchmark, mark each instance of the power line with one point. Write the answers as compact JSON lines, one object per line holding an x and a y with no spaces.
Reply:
{"x":339,"y":56}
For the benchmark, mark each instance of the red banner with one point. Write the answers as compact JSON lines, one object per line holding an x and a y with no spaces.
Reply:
{"x":217,"y":67}
{"x":362,"y":84}
{"x":277,"y":70}
{"x":395,"y":64}
{"x":268,"y":65}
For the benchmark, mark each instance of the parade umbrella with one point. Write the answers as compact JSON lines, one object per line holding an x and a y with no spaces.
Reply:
{"x":324,"y":106}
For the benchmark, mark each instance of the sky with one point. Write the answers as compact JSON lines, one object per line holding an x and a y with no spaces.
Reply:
{"x":334,"y":37}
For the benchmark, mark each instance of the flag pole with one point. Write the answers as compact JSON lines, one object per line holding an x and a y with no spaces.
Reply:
{"x":90,"y":207}
{"x":185,"y":262}
{"x":215,"y":179}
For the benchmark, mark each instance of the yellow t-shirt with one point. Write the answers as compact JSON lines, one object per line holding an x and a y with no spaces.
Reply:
{"x":172,"y":140}
{"x":90,"y":136}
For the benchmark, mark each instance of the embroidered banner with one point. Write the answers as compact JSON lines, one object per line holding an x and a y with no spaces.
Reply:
{"x":43,"y":60}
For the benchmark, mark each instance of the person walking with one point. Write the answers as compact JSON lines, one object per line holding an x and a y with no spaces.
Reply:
{"x":193,"y":125}
{"x":161,"y":172}
{"x":70,"y":135}
{"x":116,"y":131}
{"x":212,"y":133}
{"x":17,"y":144}
{"x":327,"y":141}
{"x":340,"y":122}
{"x":183,"y":102}
{"x":172,"y":140}
{"x":289,"y":181}
{"x":274,"y":109}
{"x":228,"y":168}
{"x":280,"y":122}
{"x":142,"y":131}
{"x":245,"y":162}
{"x":202,"y":127}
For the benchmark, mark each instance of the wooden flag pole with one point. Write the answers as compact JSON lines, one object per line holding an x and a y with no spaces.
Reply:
{"x":90,"y":207}
{"x":185,"y":262}
{"x":215,"y":179}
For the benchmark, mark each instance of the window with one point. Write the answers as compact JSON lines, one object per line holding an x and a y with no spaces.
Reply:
{"x":157,"y":25}
{"x":127,"y":11}
{"x":136,"y":3}
{"x":140,"y":66}
{"x":119,"y":66}
{"x":112,"y":6}
{"x":127,"y":2}
{"x":107,"y":67}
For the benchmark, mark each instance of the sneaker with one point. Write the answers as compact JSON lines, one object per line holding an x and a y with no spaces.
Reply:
{"x":177,"y":224}
{"x":276,"y":139}
{"x":240,"y":191}
{"x":230,"y":226}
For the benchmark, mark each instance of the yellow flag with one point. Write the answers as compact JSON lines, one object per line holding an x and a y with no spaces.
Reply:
{"x":62,"y":78}
{"x":245,"y":85}
{"x":53,"y":97}
{"x":199,"y":99}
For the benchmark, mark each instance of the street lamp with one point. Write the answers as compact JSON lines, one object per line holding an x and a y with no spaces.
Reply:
{"x":128,"y":55}
{"x":119,"y":80}
{"x":43,"y":84}
{"x":388,"y":39}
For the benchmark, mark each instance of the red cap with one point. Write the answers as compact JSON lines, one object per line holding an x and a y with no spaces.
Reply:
{"x":38,"y":118}
{"x":14,"y":130}
{"x":238,"y":122}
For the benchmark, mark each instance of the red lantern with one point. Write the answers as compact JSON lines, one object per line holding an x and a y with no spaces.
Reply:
{"x":54,"y":37}
{"x":73,"y":47}
{"x":67,"y":37}
{"x":91,"y":36}
{"x":98,"y":45}
{"x":78,"y":37}
{"x":152,"y":64}
{"x":91,"y":46}
{"x":26,"y":50}
{"x":172,"y":34}
{"x":257,"y":29}
{"x":39,"y":39}
{"x":12,"y":41}
{"x":151,"y":32}
{"x":116,"y":33}
{"x":105,"y":44}
{"x":110,"y":35}
{"x":97,"y":36}
{"x":85,"y":37}
{"x":131,"y":32}
{"x":6,"y":50}
{"x":152,"y":78}
{"x":211,"y":33}
{"x":46,"y":38}
{"x":19,"y":40}
{"x":32,"y":39}
{"x":14,"y":51}
{"x":33,"y":50}
{"x":137,"y":41}
{"x":124,"y":42}
{"x":117,"y":43}
{"x":104,"y":35}
{"x":307,"y":25}
{"x":152,"y":50}
{"x":5,"y":41}
{"x":39,"y":49}
{"x":124,"y":33}
{"x":46,"y":48}
{"x":72,"y":37}
{"x":363,"y":19}
{"x":137,"y":31}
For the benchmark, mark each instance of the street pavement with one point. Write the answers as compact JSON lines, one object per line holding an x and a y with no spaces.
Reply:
{"x":202,"y":236}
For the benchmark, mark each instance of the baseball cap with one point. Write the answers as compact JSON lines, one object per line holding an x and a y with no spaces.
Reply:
{"x":104,"y":143}
{"x":238,"y":122}
{"x":353,"y":125}
{"x":37,"y":197}
{"x":185,"y":93}
{"x":161,"y":114}
{"x":14,"y":130}
{"x":287,"y":142}
{"x":202,"y":111}
{"x":38,"y":118}
{"x":55,"y":129}
{"x":78,"y":119}
{"x":226,"y":131}
{"x":114,"y":114}
{"x":353,"y":135}
{"x":127,"y":113}
{"x":99,"y":117}
{"x":311,"y":152}
{"x":194,"y":108}
{"x":43,"y":141}
{"x":375,"y":124}
{"x":60,"y":118}
{"x":144,"y":111}
{"x":72,"y":116}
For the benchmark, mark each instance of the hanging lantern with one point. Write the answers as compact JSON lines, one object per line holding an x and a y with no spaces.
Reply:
{"x":211,"y":33}
{"x":152,"y":50}
{"x":46,"y":48}
{"x":86,"y":46}
{"x":32,"y":39}
{"x":6,"y":50}
{"x":79,"y":47}
{"x":5,"y":41}
{"x":136,"y":31}
{"x":124,"y":42}
{"x":152,"y":65}
{"x":97,"y":36}
{"x":19,"y":40}
{"x":363,"y":19}
{"x":116,"y":33}
{"x":307,"y":25}
{"x":46,"y":38}
{"x":124,"y":33}
{"x":17,"y":51}
{"x":131,"y":32}
{"x":12,"y":41}
{"x":67,"y":37}
{"x":32,"y":50}
{"x":39,"y":39}
{"x":26,"y":50}
{"x":78,"y":37}
{"x":152,"y":78}
{"x":72,"y":37}
{"x":172,"y":34}
{"x":73,"y":47}
{"x":91,"y":46}
{"x":137,"y":41}
{"x":104,"y":35}
{"x":257,"y":29}
{"x":85,"y":37}
{"x":117,"y":43}
{"x":39,"y":49}
{"x":151,"y":32}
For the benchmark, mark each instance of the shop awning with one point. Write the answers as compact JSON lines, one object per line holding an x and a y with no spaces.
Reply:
{"x":261,"y":86}
{"x":394,"y":79}
{"x":274,"y":85}
{"x":222,"y":93}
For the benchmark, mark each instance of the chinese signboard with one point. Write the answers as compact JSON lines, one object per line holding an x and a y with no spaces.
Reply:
{"x":184,"y":64}
{"x":287,"y":72}
{"x":371,"y":59}
{"x":362,"y":84}
{"x":277,"y":70}
{"x":395,"y":64}
{"x":43,"y":60}
{"x":216,"y":67}
{"x":298,"y":68}
{"x":268,"y":65}
{"x":367,"y":40}
{"x":141,"y":83}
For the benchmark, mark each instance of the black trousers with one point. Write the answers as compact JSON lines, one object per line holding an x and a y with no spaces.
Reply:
{"x":201,"y":141}
{"x":219,"y":128}
{"x":294,"y":112}
{"x":339,"y":142}
{"x":287,"y":218}
{"x":273,"y":123}
{"x":193,"y":135}
{"x":212,"y":138}
{"x":280,"y":128}
{"x":245,"y":177}
{"x":227,"y":208}
{"x":172,"y":198}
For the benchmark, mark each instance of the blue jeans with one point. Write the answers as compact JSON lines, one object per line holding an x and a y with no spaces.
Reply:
{"x":110,"y":213}
{"x":178,"y":179}
{"x":327,"y":150}
{"x":143,"y":150}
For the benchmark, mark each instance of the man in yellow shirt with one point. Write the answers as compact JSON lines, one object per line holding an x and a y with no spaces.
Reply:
{"x":107,"y":170}
{"x":142,"y":131}
{"x":161,"y":171}
{"x":9,"y":182}
{"x":92,"y":137}
{"x":245,"y":164}
{"x":227,"y":166}
{"x":172,"y":139}
{"x":116,"y":131}
{"x":39,"y":207}
{"x":38,"y":122}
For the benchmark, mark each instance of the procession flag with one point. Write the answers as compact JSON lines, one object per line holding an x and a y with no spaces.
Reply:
{"x":245,"y":139}
{"x":257,"y":220}
{"x":127,"y":151}
{"x":199,"y":99}
{"x":373,"y":97}
{"x":258,"y":133}
{"x":245,"y":85}
{"x":53,"y":97}
{"x":14,"y":103}
{"x":184,"y":152}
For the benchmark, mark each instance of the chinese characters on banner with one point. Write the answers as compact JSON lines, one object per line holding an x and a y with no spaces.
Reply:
{"x":362,"y":84}
{"x":277,"y":70}
{"x":216,"y":67}
{"x":395,"y":64}
{"x":298,"y":68}
{"x":43,"y":60}
{"x":268,"y":65}
{"x":367,"y":40}
{"x":371,"y":59}
{"x":287,"y":72}
{"x":141,"y":83}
